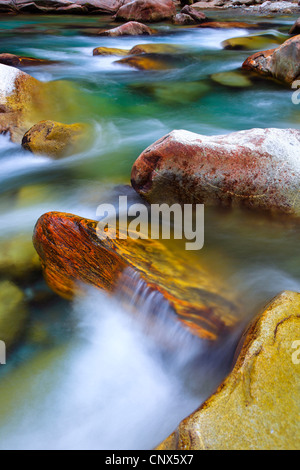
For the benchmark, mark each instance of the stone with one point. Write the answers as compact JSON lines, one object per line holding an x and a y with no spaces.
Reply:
{"x":13,"y":313}
{"x":155,"y":49}
{"x":295,"y":29}
{"x":132,"y":28}
{"x":282,"y":64}
{"x":228,"y":25}
{"x":18,"y":61}
{"x":196,"y":15}
{"x":150,"y":61}
{"x":55,"y":139}
{"x":258,"y":169}
{"x":18,"y":259}
{"x":252,"y":42}
{"x":257,"y":406}
{"x":104,"y":51}
{"x":72,"y":255}
{"x":232,"y":79}
{"x":183,"y":19}
{"x":148,"y":11}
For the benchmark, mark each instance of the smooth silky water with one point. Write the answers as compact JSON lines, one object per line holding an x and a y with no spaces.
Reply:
{"x":99,"y":377}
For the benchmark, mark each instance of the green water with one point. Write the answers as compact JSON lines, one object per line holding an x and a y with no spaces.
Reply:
{"x":69,"y":383}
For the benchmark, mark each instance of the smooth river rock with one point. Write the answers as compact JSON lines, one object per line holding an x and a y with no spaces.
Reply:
{"x":257,"y":169}
{"x":132,"y":28}
{"x":282,"y":64}
{"x":257,"y":407}
{"x":72,"y":254}
{"x":55,"y":139}
{"x":13,"y":313}
{"x":148,"y":11}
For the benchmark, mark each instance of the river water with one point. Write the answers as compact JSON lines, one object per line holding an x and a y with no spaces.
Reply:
{"x":97,"y":379}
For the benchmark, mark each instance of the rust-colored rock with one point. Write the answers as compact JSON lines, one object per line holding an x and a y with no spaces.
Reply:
{"x":227,"y":25}
{"x":258,"y":169}
{"x":148,"y":11}
{"x":72,"y":254}
{"x":132,"y":28}
{"x":257,"y":407}
{"x":150,"y":61}
{"x":18,"y":61}
{"x":104,"y":51}
{"x":282,"y":64}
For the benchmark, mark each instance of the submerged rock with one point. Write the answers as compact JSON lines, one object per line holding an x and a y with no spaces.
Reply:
{"x":175,"y":93}
{"x":228,"y":25}
{"x":232,"y":79}
{"x":13,"y":313}
{"x":18,"y":259}
{"x":257,"y":407}
{"x":132,"y":28}
{"x":258,"y":169}
{"x":55,"y":139}
{"x":282,"y":64}
{"x":72,"y":254}
{"x":155,"y":49}
{"x":148,"y":11}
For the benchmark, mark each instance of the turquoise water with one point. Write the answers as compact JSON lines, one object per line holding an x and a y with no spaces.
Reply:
{"x":85,"y":374}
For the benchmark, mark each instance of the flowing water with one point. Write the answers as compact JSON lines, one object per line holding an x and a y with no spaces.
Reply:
{"x":89,"y":374}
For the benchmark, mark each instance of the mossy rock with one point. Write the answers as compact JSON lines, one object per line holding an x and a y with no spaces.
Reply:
{"x":18,"y":259}
{"x":155,"y":49}
{"x":55,"y":139}
{"x":13,"y":313}
{"x":175,"y":93}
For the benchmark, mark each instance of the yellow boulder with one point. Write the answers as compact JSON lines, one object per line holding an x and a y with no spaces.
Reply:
{"x":258,"y":406}
{"x":13,"y":313}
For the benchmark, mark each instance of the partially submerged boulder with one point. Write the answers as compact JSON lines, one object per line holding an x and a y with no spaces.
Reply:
{"x":104,"y":51}
{"x":258,"y":169}
{"x":132,"y":28}
{"x":72,"y":254}
{"x":252,"y":42}
{"x":148,"y":11}
{"x":295,"y":29}
{"x":19,"y":61}
{"x":13,"y":313}
{"x":55,"y":139}
{"x":282,"y":64}
{"x":150,"y":61}
{"x":257,"y":407}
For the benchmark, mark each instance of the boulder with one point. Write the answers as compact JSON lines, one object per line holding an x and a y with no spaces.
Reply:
{"x":282,"y":64}
{"x":72,"y":255}
{"x":257,"y":406}
{"x":196,"y":15}
{"x":183,"y":19}
{"x":258,"y":169}
{"x":104,"y":51}
{"x":155,"y":49}
{"x":18,"y":259}
{"x":62,"y":6}
{"x":18,"y":61}
{"x":150,"y":61}
{"x":132,"y":28}
{"x":55,"y":139}
{"x":295,"y":29}
{"x":148,"y":11}
{"x":228,"y":25}
{"x":252,"y":43}
{"x":232,"y":79}
{"x":13,"y":313}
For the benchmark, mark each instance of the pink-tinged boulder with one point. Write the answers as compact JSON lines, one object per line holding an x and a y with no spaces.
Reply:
{"x":258,"y":169}
{"x":282,"y":64}
{"x":147,"y":10}
{"x":132,"y":28}
{"x":196,"y":15}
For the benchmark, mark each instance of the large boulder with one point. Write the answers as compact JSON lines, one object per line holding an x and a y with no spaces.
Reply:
{"x":72,"y":255}
{"x":55,"y":139}
{"x":132,"y":28}
{"x":147,"y":11}
{"x":258,"y":168}
{"x":282,"y":64}
{"x":257,"y":407}
{"x":62,"y":6}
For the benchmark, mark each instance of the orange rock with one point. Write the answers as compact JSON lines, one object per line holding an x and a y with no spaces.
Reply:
{"x":72,"y":254}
